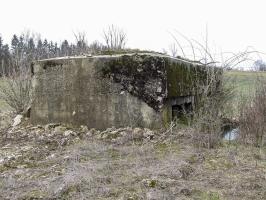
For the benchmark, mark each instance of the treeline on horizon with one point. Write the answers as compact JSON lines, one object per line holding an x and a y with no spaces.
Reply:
{"x":25,"y":48}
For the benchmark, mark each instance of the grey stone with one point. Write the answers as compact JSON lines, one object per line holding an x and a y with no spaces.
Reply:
{"x":17,"y":120}
{"x":148,"y":134}
{"x":49,"y":126}
{"x":60,"y":129}
{"x":84,"y":129}
{"x":67,"y":133}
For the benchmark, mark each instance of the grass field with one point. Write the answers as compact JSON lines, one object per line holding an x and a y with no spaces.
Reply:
{"x":244,"y":85}
{"x":244,"y":81}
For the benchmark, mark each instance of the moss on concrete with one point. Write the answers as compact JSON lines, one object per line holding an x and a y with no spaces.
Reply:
{"x":182,"y":78}
{"x":143,"y":76}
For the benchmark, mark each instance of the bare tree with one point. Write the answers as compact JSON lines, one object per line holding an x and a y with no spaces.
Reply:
{"x":259,"y":65}
{"x":115,"y":38}
{"x":96,"y":47}
{"x":81,"y":43}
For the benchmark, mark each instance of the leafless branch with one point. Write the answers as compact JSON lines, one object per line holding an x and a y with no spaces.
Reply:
{"x":115,"y":38}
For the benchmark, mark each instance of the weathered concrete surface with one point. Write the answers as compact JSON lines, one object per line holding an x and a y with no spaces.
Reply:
{"x":105,"y":91}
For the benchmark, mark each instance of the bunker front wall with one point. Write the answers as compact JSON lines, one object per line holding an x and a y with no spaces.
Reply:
{"x":105,"y":91}
{"x":79,"y":91}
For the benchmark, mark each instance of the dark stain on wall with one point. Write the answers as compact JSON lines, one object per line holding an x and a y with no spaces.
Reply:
{"x":142,"y":76}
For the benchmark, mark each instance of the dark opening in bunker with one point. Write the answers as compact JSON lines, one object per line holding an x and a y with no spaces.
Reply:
{"x":182,"y":110}
{"x":182,"y":107}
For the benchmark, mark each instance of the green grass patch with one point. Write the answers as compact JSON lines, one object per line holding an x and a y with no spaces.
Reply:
{"x":163,"y":148}
{"x":206,"y":195}
{"x":244,"y":84}
{"x":244,"y":81}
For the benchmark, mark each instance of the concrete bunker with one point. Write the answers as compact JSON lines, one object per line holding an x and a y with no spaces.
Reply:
{"x":139,"y":89}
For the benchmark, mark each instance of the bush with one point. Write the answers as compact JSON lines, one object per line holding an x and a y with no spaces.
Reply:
{"x":16,"y":89}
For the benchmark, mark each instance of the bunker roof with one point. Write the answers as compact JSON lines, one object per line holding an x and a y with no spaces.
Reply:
{"x":175,"y":59}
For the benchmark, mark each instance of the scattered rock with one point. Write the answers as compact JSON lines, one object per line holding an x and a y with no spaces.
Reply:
{"x":67,"y":133}
{"x":89,"y":134}
{"x":60,"y":129}
{"x":34,"y":127}
{"x":70,"y":133}
{"x":137,"y":133}
{"x":114,"y":134}
{"x":64,"y":141}
{"x":76,"y":139}
{"x":111,"y":133}
{"x":92,"y":132}
{"x":48,"y":127}
{"x":148,"y":134}
{"x":109,"y":130}
{"x":122,"y":135}
{"x":17,"y":120}
{"x":84,"y":129}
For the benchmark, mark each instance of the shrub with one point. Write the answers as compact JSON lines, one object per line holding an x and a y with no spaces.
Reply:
{"x":16,"y":89}
{"x":210,"y":109}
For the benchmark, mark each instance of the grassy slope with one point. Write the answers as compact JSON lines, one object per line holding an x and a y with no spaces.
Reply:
{"x":243,"y":80}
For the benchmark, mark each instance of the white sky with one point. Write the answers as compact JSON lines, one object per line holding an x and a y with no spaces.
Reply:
{"x":232,"y":24}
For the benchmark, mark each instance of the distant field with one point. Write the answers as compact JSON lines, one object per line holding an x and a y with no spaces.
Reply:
{"x":244,"y":83}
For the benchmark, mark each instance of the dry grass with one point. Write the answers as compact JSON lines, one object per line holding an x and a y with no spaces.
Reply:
{"x":252,"y":114}
{"x":16,"y":90}
{"x":35,"y":164}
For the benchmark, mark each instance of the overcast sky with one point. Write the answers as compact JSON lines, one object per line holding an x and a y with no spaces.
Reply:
{"x":232,"y":24}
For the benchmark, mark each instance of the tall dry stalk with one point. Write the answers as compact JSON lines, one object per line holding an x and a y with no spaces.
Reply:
{"x":115,"y":38}
{"x":252,"y":115}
